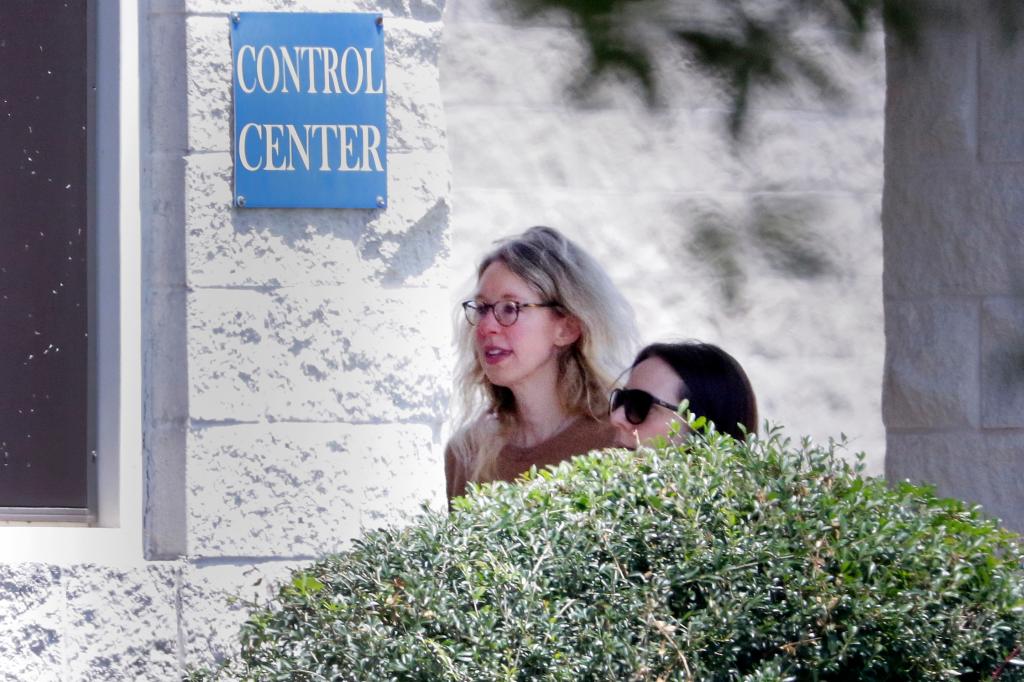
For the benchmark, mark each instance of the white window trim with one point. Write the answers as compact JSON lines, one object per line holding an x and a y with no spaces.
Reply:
{"x":117,"y":537}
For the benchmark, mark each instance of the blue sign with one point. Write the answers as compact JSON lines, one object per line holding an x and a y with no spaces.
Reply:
{"x":310,"y":123}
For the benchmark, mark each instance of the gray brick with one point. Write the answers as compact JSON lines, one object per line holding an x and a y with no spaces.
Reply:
{"x":931,"y":376}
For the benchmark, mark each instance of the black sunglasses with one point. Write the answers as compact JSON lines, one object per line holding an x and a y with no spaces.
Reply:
{"x":637,"y":403}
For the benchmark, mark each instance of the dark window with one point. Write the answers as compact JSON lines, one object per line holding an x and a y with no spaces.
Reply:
{"x":44,"y":282}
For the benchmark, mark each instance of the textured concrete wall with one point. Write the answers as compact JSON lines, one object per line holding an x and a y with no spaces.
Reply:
{"x":317,"y":370}
{"x":296,"y":364}
{"x":954,"y":253}
{"x":772,"y":250}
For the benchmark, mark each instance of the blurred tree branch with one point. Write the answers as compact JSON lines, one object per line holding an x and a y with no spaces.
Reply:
{"x":744,"y":45}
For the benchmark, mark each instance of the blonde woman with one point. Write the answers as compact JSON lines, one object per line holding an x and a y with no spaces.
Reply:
{"x":539,"y":345}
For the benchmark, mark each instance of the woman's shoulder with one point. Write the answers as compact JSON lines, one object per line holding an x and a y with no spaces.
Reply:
{"x":466,"y":447}
{"x":468,"y":438}
{"x":590,"y":433}
{"x":485,"y":424}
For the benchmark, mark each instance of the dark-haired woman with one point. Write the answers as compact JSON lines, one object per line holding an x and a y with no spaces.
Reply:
{"x":665,"y":374}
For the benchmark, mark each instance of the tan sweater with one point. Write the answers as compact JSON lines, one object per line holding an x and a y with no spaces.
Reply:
{"x":583,"y":435}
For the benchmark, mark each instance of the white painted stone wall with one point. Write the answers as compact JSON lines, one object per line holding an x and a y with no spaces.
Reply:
{"x":296,"y":364}
{"x":795,"y":290}
{"x":954,"y":250}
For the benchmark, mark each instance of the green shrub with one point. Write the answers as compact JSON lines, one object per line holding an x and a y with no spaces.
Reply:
{"x":713,"y":560}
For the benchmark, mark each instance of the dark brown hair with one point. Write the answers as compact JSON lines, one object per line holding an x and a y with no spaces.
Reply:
{"x":713,"y":381}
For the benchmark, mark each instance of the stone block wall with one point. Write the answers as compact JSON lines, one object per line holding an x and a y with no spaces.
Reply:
{"x":770,"y":248}
{"x":317,"y":369}
{"x":295,"y":364}
{"x":954,"y":261}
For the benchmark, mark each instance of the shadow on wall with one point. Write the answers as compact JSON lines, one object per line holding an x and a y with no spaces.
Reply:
{"x":777,"y":233}
{"x":423,"y":245}
{"x":1003,"y":362}
{"x":397,"y":254}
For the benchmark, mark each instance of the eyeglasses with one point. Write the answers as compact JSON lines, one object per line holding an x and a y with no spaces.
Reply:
{"x":505,"y":312}
{"x":637,"y":404}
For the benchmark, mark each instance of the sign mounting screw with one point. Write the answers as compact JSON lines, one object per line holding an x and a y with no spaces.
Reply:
{"x":380,"y":202}
{"x":240,"y":201}
{"x":236,"y":18}
{"x":380,"y":20}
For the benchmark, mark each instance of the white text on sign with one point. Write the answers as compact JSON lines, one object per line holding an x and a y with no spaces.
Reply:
{"x":340,"y":147}
{"x":312,"y":70}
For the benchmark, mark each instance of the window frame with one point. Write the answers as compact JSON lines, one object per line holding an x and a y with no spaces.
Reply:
{"x":81,"y":515}
{"x":114,"y":516}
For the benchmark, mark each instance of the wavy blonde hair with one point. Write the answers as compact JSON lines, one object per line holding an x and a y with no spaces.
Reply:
{"x":563,"y":273}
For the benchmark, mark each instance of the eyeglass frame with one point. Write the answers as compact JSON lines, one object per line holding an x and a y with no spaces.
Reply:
{"x":484,"y":308}
{"x":616,"y":392}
